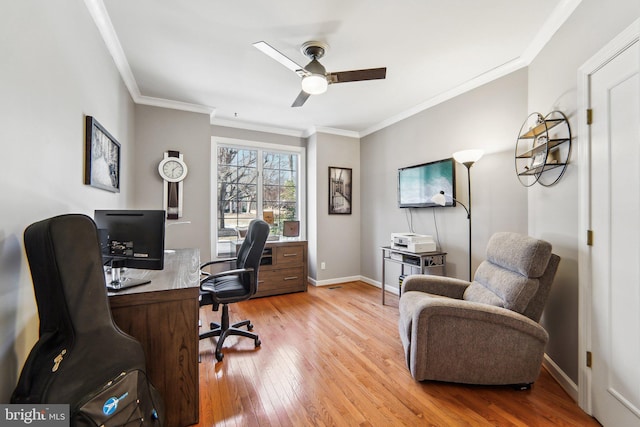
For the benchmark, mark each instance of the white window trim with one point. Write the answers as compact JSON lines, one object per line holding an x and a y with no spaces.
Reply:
{"x":241,"y":143}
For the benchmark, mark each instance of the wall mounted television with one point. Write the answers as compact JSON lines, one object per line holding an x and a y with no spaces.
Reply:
{"x":419,"y":183}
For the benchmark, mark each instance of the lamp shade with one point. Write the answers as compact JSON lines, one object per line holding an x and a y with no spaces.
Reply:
{"x":439,"y":199}
{"x":468,"y":156}
{"x":314,"y":84}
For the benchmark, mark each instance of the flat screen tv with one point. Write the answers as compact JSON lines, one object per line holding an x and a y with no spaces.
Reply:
{"x":419,"y":183}
{"x":131,"y":239}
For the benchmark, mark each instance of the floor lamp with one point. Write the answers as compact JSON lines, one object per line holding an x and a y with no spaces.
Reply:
{"x":467,"y":158}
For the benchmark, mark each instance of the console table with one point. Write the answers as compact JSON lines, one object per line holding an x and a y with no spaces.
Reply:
{"x":163,"y":316}
{"x":425,"y":262}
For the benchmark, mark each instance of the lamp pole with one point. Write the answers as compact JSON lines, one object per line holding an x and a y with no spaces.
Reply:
{"x":468,"y":158}
{"x":468,"y":166}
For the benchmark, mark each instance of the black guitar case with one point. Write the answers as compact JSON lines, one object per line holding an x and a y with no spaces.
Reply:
{"x":81,"y":358}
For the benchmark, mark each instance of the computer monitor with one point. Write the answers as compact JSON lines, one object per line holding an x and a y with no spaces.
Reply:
{"x":131,"y":239}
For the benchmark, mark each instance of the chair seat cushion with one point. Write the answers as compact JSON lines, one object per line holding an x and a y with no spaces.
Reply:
{"x":225,"y":287}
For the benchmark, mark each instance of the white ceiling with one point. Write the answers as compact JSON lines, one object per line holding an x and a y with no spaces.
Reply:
{"x":198,"y":55}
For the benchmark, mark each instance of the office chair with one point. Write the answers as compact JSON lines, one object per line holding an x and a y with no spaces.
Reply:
{"x":234,"y":285}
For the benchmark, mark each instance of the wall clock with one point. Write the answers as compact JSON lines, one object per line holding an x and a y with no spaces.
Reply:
{"x":173,"y":171}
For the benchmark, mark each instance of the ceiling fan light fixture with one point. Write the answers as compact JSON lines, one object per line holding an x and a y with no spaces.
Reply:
{"x":314,"y":84}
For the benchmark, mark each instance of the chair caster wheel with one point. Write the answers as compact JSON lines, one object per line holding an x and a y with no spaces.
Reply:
{"x":219,"y":356}
{"x":258,"y":342}
{"x":249,"y":327}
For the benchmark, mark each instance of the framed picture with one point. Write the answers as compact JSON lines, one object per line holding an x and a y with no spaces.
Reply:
{"x":339,"y":190}
{"x":102,"y":157}
{"x":291,"y":228}
{"x":538,"y":159}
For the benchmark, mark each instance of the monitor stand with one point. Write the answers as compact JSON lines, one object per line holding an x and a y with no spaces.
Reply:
{"x":118,"y":282}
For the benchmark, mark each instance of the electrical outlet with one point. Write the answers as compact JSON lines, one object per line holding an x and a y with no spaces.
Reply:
{"x":323,"y":266}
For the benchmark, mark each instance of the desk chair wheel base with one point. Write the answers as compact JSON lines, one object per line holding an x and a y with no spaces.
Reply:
{"x":235,"y":285}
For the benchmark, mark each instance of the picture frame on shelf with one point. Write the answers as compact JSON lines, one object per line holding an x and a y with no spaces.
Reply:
{"x":538,"y":159}
{"x":102,"y":157}
{"x":340,"y":186}
{"x":291,"y":228}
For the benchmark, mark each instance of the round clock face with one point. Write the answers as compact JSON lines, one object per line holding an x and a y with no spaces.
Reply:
{"x":172,"y":169}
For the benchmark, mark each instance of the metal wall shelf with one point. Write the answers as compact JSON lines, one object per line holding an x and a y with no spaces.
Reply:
{"x":539,"y":151}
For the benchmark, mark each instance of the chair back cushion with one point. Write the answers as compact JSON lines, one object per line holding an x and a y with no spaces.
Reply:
{"x":252,"y":247}
{"x":510,"y":276}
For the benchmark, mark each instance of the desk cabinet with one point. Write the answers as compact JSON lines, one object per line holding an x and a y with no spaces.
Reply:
{"x":283,"y":268}
{"x":163,"y":316}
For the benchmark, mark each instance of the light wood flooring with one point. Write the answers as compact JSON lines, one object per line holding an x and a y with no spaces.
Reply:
{"x":332,"y":357}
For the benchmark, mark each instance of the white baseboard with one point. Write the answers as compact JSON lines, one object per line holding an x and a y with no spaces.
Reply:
{"x":330,"y":282}
{"x":558,"y":374}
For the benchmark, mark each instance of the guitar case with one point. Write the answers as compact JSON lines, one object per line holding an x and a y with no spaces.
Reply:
{"x":81,"y":357}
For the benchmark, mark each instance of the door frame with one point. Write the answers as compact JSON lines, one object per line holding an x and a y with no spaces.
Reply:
{"x":620,"y":43}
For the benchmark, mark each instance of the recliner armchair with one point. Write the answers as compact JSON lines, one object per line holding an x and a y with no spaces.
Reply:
{"x":486,"y":331}
{"x":235,"y":285}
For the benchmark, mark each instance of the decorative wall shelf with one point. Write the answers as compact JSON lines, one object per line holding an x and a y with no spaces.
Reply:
{"x":542,"y":149}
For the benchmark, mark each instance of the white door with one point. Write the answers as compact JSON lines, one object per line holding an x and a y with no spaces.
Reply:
{"x":615,"y":219}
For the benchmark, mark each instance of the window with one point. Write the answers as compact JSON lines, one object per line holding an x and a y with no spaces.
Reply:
{"x":255,"y":181}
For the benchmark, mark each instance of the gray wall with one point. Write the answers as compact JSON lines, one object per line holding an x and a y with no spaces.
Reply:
{"x":553,"y":211}
{"x":336,"y":238}
{"x":489,"y":118}
{"x":55,"y":70}
{"x":159,"y":130}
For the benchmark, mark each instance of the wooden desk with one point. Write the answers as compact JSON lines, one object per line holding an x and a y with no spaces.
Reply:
{"x":423,"y":261}
{"x":163,"y":316}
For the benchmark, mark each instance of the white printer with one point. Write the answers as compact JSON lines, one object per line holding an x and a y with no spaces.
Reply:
{"x":412,"y":242}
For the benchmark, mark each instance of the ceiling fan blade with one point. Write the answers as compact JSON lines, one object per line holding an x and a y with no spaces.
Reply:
{"x":357,"y":75}
{"x":301,"y":99}
{"x":270,"y":51}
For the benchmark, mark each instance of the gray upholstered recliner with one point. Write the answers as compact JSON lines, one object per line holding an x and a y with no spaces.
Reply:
{"x":487,"y":331}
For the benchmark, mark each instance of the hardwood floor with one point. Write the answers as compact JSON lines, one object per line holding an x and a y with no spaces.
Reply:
{"x":332,"y":357}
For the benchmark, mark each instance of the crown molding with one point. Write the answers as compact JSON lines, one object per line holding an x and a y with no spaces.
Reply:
{"x":332,"y":131}
{"x":176,"y":105}
{"x":100,"y":16}
{"x":257,"y":127}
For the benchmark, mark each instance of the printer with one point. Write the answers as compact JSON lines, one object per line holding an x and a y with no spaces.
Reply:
{"x":412,"y":242}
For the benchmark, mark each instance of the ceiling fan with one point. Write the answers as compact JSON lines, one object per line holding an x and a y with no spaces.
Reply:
{"x":315,"y":78}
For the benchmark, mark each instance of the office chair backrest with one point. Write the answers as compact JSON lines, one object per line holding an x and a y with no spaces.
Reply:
{"x":252,"y":247}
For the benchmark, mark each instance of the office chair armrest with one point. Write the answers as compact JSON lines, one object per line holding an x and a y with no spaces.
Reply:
{"x":234,"y":272}
{"x":217,"y":261}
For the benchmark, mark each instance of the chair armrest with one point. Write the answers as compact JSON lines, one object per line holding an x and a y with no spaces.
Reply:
{"x":234,"y":272}
{"x":437,"y":285}
{"x":217,"y":261}
{"x":476,"y":316}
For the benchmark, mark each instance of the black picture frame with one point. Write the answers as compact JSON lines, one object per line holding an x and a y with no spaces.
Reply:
{"x":102,"y":157}
{"x":340,"y":187}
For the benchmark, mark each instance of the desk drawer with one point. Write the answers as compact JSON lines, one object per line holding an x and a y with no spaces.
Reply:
{"x":288,"y":255}
{"x":281,"y":281}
